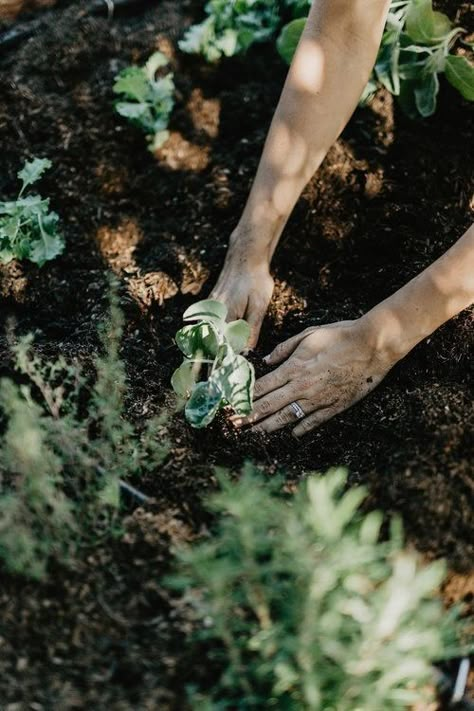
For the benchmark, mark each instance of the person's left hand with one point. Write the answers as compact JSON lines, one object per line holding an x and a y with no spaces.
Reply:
{"x":326,"y":369}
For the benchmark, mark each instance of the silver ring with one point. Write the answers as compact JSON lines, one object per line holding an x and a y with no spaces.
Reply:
{"x":297,"y":410}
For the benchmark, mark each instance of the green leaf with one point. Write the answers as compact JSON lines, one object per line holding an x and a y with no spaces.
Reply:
{"x":237,"y":334}
{"x":133,"y":82}
{"x":199,"y":341}
{"x":209,"y":310}
{"x":203,"y":404}
{"x":426,"y":92}
{"x":386,"y":67}
{"x":184,"y":379}
{"x":406,"y":99}
{"x":426,"y":25}
{"x":235,"y":378}
{"x":460,"y":73}
{"x":289,"y":38}
{"x":49,"y":244}
{"x":131,"y":110}
{"x":33,"y":170}
{"x":155,"y":62}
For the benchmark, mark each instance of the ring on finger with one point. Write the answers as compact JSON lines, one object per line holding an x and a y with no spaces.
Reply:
{"x":297,"y":410}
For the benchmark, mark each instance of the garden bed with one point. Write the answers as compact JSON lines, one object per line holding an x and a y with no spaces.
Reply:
{"x":391,"y":197}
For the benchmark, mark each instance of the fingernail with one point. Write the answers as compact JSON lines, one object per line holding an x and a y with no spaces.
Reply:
{"x":266,"y":358}
{"x":237,"y":423}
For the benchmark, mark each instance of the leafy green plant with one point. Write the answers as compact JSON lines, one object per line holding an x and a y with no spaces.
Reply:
{"x":28,"y":228}
{"x":207,"y":340}
{"x":311,"y":610}
{"x":415,"y":49}
{"x":147,"y":100}
{"x":231,"y":27}
{"x":66,"y":447}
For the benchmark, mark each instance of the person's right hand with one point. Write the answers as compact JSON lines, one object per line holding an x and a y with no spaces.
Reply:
{"x":245,"y":286}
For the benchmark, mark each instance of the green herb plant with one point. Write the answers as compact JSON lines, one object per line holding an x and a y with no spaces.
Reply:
{"x":301,"y":605}
{"x":208,"y":341}
{"x":65,"y":448}
{"x":147,"y":100}
{"x":231,"y":27}
{"x":28,"y":228}
{"x":414,"y":51}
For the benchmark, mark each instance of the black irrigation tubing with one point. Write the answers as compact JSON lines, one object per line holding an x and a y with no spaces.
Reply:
{"x":15,"y":35}
{"x":134,"y":493}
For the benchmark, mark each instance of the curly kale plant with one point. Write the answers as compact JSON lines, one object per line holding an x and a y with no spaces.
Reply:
{"x":231,"y":27}
{"x":147,"y":101}
{"x":28,"y":228}
{"x":307,"y":608}
{"x":415,"y":49}
{"x":207,"y":340}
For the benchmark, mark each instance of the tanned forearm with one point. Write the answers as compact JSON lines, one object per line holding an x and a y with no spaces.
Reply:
{"x":329,"y":71}
{"x":440,"y":292}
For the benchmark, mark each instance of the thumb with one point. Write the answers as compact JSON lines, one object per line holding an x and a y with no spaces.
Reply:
{"x":285,"y":349}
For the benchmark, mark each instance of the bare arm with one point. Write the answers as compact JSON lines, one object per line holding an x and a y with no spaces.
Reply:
{"x":326,"y":369}
{"x":329,"y":71}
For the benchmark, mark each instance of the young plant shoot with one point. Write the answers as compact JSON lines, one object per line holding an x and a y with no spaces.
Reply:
{"x":147,"y":101}
{"x":208,"y":341}
{"x":231,"y":28}
{"x":28,"y":228}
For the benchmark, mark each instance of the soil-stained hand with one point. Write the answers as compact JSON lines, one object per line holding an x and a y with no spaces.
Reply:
{"x":325,"y":370}
{"x":246,"y":290}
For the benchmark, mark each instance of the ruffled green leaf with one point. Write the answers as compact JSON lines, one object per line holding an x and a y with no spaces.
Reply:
{"x":33,"y":170}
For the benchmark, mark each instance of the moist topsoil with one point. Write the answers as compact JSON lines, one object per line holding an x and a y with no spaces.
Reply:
{"x":391,"y":197}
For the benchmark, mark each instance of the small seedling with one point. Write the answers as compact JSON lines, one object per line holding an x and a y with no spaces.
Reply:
{"x":28,"y":228}
{"x":147,"y":101}
{"x":207,"y":340}
{"x":231,"y":28}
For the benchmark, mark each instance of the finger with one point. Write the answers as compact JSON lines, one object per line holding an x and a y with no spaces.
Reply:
{"x":280,"y":419}
{"x":267,"y":405}
{"x":271,"y":381}
{"x":255,"y":316}
{"x":285,"y":349}
{"x":317,"y":418}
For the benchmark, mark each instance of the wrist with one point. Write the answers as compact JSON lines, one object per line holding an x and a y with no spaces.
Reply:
{"x":385,"y":330}
{"x":248,"y":248}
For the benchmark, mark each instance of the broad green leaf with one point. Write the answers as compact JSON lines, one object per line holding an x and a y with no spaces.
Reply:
{"x":199,"y":341}
{"x":235,"y":378}
{"x":289,"y":38}
{"x":203,"y":404}
{"x":207,"y":310}
{"x":184,"y":379}
{"x":425,"y":25}
{"x":155,"y":62}
{"x":132,"y":82}
{"x":50,"y":243}
{"x":33,"y":170}
{"x":426,"y":92}
{"x":460,"y":73}
{"x":231,"y":41}
{"x":237,"y":334}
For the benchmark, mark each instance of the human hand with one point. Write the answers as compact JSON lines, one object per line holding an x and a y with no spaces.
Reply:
{"x":325,"y":370}
{"x":245,"y":286}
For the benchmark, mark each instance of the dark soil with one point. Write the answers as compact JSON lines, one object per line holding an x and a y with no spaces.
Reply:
{"x":391,"y":196}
